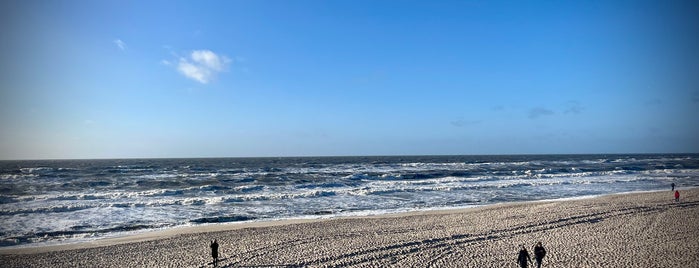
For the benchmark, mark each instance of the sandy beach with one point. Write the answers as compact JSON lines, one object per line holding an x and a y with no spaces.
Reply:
{"x":623,"y":230}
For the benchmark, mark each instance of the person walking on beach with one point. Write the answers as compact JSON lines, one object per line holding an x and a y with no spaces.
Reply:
{"x":673,"y":186}
{"x":523,"y":257}
{"x":214,"y":251}
{"x":539,"y":254}
{"x":677,"y":196}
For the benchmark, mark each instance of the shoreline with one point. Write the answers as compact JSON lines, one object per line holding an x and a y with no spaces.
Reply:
{"x":645,"y":229}
{"x":154,"y":234}
{"x":157,"y":234}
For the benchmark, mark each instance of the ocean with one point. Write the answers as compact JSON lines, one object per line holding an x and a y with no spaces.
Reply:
{"x":66,"y":201}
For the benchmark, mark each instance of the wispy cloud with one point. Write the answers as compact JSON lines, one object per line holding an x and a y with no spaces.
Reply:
{"x":202,"y":65}
{"x":120,"y":44}
{"x":574,"y":107}
{"x":461,"y":122}
{"x":537,"y":112}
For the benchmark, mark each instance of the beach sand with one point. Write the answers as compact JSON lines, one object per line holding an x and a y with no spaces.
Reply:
{"x":624,"y":230}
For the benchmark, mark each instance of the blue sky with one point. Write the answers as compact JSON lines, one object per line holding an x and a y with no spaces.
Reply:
{"x":122,"y":79}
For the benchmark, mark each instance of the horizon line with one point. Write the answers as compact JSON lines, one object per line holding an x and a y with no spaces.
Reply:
{"x":340,"y":156}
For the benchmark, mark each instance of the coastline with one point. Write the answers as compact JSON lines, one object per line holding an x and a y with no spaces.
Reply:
{"x":490,"y":234}
{"x":148,"y":235}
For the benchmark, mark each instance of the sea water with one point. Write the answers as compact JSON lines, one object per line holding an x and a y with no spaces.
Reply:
{"x":64,"y":201}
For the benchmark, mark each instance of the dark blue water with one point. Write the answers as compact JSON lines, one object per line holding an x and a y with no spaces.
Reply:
{"x":73,"y":200}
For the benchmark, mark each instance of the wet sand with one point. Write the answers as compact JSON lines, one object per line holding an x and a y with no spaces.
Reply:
{"x":626,"y":230}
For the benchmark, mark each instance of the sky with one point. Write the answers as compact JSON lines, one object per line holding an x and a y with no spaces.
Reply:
{"x":161,"y":79}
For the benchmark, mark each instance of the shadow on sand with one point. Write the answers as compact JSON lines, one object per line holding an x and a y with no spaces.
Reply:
{"x":283,"y":265}
{"x":222,"y":264}
{"x":356,"y":257}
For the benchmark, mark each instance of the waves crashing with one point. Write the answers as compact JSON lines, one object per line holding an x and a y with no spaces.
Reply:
{"x":49,"y":201}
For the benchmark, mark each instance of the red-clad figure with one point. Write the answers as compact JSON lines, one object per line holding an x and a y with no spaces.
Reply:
{"x":677,"y":196}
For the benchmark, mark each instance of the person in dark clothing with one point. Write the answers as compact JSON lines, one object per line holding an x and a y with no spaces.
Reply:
{"x":673,"y":186}
{"x":214,"y":251}
{"x":539,"y":254}
{"x":523,"y":257}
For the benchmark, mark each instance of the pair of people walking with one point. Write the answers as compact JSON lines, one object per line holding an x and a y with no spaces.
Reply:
{"x":524,"y":259}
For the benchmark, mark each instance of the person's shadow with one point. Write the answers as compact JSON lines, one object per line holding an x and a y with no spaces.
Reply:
{"x":269,"y":265}
{"x":222,"y":265}
{"x":211,"y":263}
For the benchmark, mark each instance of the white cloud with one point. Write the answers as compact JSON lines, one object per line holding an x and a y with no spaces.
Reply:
{"x":199,"y":73}
{"x":120,"y":44}
{"x":202,"y":65}
{"x":209,"y":59}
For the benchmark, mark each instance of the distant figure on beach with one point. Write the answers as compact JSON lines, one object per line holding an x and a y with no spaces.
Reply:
{"x":539,"y":254}
{"x":214,"y":251}
{"x":523,"y":257}
{"x":673,"y":186}
{"x":677,"y":196}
